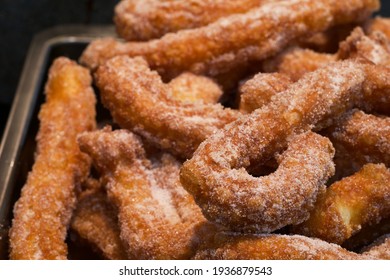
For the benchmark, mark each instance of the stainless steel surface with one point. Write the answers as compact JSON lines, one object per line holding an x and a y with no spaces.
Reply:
{"x":61,"y":40}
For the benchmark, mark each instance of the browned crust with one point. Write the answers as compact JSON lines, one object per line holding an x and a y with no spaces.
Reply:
{"x":157,"y":218}
{"x":138,"y":100}
{"x":43,"y":211}
{"x":228,"y":246}
{"x":215,"y":175}
{"x":149,"y":19}
{"x":348,"y":205}
{"x":259,"y":90}
{"x":235,"y":40}
{"x":96,"y":220}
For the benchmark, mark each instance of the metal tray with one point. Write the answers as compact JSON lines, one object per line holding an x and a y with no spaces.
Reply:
{"x":18,"y":143}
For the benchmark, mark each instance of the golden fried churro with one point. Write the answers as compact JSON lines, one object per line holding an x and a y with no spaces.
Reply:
{"x":158,"y":218}
{"x":148,"y":19}
{"x":95,"y":220}
{"x":259,"y":90}
{"x":329,"y":40}
{"x":42,"y":213}
{"x":216,"y":174}
{"x":359,"y":138}
{"x":350,"y":204}
{"x":228,"y":246}
{"x":304,"y":168}
{"x":295,"y":62}
{"x":235,"y":40}
{"x":375,"y":47}
{"x":376,"y":90}
{"x":191,"y":88}
{"x":139,"y":100}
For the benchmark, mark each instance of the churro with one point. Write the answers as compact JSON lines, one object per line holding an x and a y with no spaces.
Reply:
{"x":43,"y":212}
{"x":235,"y":40}
{"x":148,"y":19}
{"x":157,"y":218}
{"x":350,"y":204}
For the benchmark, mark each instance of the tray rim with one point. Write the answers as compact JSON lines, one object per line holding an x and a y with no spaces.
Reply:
{"x":24,"y":103}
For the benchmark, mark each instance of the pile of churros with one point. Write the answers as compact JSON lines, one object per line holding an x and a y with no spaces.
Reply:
{"x":250,"y":129}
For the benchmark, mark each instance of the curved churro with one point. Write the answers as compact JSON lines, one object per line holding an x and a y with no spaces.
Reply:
{"x":148,"y":19}
{"x":95,"y":220}
{"x":235,"y":40}
{"x":42,"y":213}
{"x":158,"y":219}
{"x":295,"y":62}
{"x":259,"y":90}
{"x":139,"y":102}
{"x":228,"y":246}
{"x":263,"y":204}
{"x":215,"y":175}
{"x":350,"y":204}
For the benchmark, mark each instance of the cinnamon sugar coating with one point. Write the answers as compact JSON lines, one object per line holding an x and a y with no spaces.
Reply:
{"x":148,"y":19}
{"x":245,"y":203}
{"x":216,"y":174}
{"x":359,"y":138}
{"x":158,"y":219}
{"x":295,"y":62}
{"x":348,"y":205}
{"x":138,"y":100}
{"x":96,"y":220}
{"x":191,"y":88}
{"x":228,"y":246}
{"x":259,"y":90}
{"x":235,"y":40}
{"x":43,"y":212}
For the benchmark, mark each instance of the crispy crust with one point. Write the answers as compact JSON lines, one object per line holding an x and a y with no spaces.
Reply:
{"x":235,"y":40}
{"x":380,"y":249}
{"x":95,"y":220}
{"x":244,"y":203}
{"x":191,"y":88}
{"x":139,"y":101}
{"x":348,"y":205}
{"x":157,"y":218}
{"x":379,"y":24}
{"x":228,"y":246}
{"x":149,"y":19}
{"x":295,"y":62}
{"x":43,"y":212}
{"x":215,"y":175}
{"x":359,"y":138}
{"x":259,"y":90}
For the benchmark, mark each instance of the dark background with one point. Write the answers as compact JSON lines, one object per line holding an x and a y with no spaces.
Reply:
{"x":21,"y":19}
